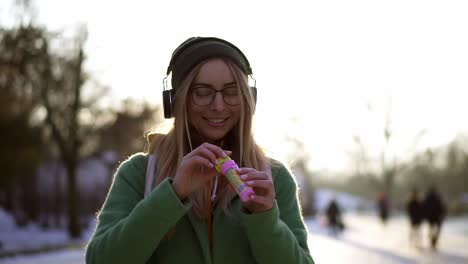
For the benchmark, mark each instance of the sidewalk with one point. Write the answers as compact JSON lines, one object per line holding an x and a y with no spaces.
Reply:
{"x":365,"y":240}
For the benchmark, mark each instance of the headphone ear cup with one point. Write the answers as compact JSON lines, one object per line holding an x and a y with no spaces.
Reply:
{"x":254,"y":92}
{"x":167,"y":103}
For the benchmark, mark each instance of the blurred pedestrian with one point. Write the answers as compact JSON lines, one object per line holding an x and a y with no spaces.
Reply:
{"x":334,"y":217}
{"x":382,"y":207}
{"x":414,"y":210}
{"x":434,"y":213}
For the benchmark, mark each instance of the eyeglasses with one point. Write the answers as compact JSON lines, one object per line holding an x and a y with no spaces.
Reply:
{"x":205,"y":95}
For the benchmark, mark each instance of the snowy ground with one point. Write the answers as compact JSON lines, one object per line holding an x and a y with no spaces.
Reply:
{"x":32,"y":238}
{"x":364,"y":241}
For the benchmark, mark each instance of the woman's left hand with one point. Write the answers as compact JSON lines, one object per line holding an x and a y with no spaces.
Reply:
{"x":262,"y":184}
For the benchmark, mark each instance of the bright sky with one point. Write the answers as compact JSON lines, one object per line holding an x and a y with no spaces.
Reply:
{"x":326,"y":70}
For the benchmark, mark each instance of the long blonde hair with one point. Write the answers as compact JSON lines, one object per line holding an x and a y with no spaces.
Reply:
{"x":170,"y":148}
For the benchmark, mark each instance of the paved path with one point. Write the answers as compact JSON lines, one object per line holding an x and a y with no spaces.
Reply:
{"x":368,"y":241}
{"x":364,"y":241}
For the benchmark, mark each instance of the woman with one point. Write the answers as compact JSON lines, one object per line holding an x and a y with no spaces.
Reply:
{"x":192,"y":215}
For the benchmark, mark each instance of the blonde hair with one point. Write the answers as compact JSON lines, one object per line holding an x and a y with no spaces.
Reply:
{"x":170,"y":148}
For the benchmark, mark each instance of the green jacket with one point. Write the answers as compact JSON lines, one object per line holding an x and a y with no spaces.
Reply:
{"x":132,"y":229}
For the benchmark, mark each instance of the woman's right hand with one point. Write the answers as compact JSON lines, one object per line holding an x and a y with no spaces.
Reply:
{"x":197,"y":168}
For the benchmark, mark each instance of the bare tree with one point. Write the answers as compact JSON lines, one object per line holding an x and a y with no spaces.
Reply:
{"x":53,"y":83}
{"x":125,"y":134}
{"x":388,"y":165}
{"x":299,"y":157}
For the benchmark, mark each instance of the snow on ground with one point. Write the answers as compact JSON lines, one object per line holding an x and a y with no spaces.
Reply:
{"x":365,"y":240}
{"x":33,"y":238}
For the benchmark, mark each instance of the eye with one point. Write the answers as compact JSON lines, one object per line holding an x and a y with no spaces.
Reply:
{"x":230,"y":91}
{"x":202,"y":91}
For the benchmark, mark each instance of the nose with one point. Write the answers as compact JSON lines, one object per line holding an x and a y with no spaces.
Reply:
{"x":218,"y":102}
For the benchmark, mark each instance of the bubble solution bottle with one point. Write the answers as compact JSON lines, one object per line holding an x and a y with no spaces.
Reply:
{"x":228,"y":167}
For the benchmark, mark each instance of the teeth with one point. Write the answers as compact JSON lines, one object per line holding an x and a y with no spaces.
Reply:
{"x":216,"y":120}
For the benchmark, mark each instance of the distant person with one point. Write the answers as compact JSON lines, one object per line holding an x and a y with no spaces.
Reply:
{"x":382,"y":207}
{"x":434,"y":213}
{"x":414,"y":210}
{"x":334,"y":217}
{"x":191,"y":214}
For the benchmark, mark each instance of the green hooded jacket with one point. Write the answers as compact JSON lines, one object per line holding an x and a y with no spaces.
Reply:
{"x":133,"y":229}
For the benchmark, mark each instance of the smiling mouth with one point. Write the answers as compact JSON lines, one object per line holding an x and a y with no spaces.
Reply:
{"x":216,"y":121}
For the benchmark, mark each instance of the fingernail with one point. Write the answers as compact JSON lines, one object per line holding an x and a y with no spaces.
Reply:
{"x":250,"y":182}
{"x":252,"y":197}
{"x":243,"y":177}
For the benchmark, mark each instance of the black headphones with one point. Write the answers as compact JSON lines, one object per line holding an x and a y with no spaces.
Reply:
{"x":193,"y":51}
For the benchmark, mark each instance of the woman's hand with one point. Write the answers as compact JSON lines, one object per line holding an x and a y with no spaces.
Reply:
{"x":262,"y":184}
{"x":197,"y":168}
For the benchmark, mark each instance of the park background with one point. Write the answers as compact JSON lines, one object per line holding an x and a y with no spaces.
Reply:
{"x":357,"y":97}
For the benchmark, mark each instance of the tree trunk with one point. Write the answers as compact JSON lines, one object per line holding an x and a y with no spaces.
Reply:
{"x":74,"y":227}
{"x":58,"y":204}
{"x":9,"y":197}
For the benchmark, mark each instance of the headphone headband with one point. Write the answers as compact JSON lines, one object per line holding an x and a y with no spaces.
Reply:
{"x":196,"y":49}
{"x":194,"y":40}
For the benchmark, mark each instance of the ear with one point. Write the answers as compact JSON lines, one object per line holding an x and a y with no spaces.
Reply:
{"x":254,"y":92}
{"x":168,"y":99}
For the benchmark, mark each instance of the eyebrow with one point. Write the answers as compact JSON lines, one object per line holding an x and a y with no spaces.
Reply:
{"x":211,"y":86}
